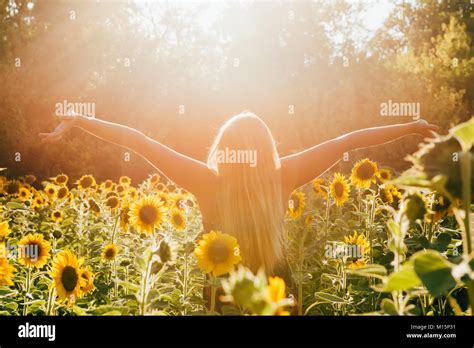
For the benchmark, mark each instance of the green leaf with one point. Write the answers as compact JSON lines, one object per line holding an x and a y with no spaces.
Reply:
{"x":442,"y":241}
{"x":434,"y":271}
{"x":464,"y":133}
{"x":388,"y":307}
{"x":324,"y":296}
{"x":377,"y":271}
{"x":402,"y":280}
{"x":15,"y":205}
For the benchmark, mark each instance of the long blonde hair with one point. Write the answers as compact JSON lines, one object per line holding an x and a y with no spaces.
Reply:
{"x":249,"y":197}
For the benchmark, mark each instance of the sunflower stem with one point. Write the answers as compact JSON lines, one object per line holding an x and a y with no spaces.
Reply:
{"x":28,"y":284}
{"x":145,"y":287}
{"x":213,"y":296}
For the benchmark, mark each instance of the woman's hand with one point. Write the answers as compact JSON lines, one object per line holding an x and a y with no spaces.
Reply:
{"x":425,"y":129}
{"x":68,"y":121}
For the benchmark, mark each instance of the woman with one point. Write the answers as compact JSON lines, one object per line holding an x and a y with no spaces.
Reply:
{"x":244,"y":199}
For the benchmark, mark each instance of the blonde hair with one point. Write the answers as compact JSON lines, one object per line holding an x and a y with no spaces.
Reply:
{"x":249,"y":198}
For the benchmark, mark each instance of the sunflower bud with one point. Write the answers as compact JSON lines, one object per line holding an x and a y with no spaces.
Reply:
{"x":415,"y":207}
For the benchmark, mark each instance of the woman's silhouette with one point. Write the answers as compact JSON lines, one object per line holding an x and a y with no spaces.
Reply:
{"x":246,"y":201}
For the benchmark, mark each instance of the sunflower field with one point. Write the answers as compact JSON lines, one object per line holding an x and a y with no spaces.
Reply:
{"x":367,"y":242}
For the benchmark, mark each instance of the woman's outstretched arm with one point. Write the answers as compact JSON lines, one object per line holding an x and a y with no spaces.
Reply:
{"x":302,"y":167}
{"x":187,"y":172}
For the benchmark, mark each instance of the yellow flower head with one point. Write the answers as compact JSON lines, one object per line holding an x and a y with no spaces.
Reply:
{"x":34,"y":250}
{"x":217,"y":253}
{"x":50,"y":190}
{"x":147,"y":214}
{"x":63,"y":192}
{"x":296,"y":204}
{"x":86,"y":182}
{"x":340,"y":189}
{"x":66,"y":273}
{"x":6,"y":270}
{"x":109,"y":253}
{"x":57,"y":216}
{"x":4,"y":230}
{"x":364,"y":173}
{"x":358,"y":258}
{"x":178,"y":201}
{"x":177,"y":219}
{"x":112,"y":202}
{"x":125,"y":180}
{"x":24,"y":194}
{"x":318,"y":188}
{"x":384,"y":174}
{"x":88,"y":281}
{"x":61,"y":179}
{"x":276,"y":294}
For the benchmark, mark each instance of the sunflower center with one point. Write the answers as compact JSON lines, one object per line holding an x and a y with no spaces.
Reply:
{"x":366,"y":171}
{"x":109,"y":253}
{"x":178,"y":219}
{"x":61,"y":179}
{"x":338,"y":189}
{"x":218,"y":251}
{"x":69,"y":278}
{"x":57,"y":214}
{"x":86,"y":182}
{"x":62,"y":192}
{"x":148,"y":214}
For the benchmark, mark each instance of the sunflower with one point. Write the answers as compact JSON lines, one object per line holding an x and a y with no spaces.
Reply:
{"x":146,"y":214}
{"x":125,"y":180}
{"x":86,"y":182}
{"x":109,"y":252}
{"x":24,"y":194}
{"x":318,"y":189}
{"x":121,"y":190}
{"x":384,"y":174}
{"x":364,"y":173}
{"x":108,"y":185}
{"x":94,"y":206}
{"x":66,"y":273}
{"x":4,"y":230}
{"x":177,"y":219}
{"x":88,"y":283}
{"x":50,"y":190}
{"x":39,"y":256}
{"x":340,"y":189}
{"x":178,"y":201}
{"x":57,"y":216}
{"x":30,"y":178}
{"x":296,"y":204}
{"x":362,"y":247}
{"x":132,"y":193}
{"x":124,"y":218}
{"x":63,"y":192}
{"x":385,"y":193}
{"x":217,"y":253}
{"x":154,"y":179}
{"x":112,"y":202}
{"x":276,"y":294}
{"x":6,"y":270}
{"x":309,"y":219}
{"x":12,"y":188}
{"x":38,"y":202}
{"x":61,"y":179}
{"x":415,"y":207}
